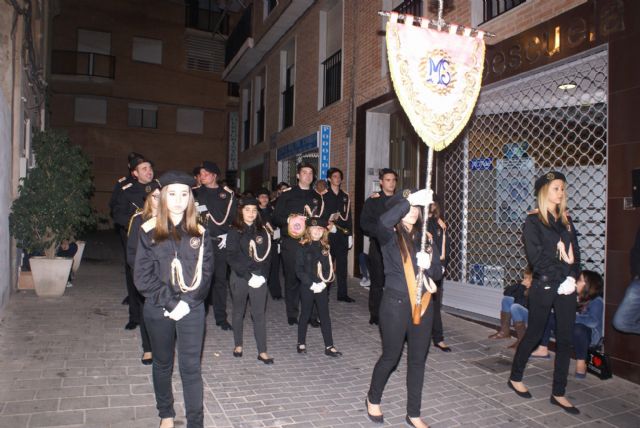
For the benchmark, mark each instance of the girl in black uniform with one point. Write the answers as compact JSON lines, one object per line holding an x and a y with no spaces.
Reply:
{"x":399,"y":235}
{"x":173,"y":270}
{"x":150,"y":210}
{"x":314,"y":269}
{"x":249,"y":251}
{"x":552,"y":250}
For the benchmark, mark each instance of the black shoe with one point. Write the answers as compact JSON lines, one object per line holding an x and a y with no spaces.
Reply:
{"x":301,"y":348}
{"x":224,"y":325}
{"x":525,"y":394}
{"x":379,"y":419}
{"x":237,"y":354}
{"x":146,"y":361}
{"x":346,"y":299}
{"x":569,"y":409}
{"x":265,"y":360}
{"x":131,"y":325}
{"x":314,"y":323}
{"x":125,"y":301}
{"x":373,"y":320}
{"x":444,"y":348}
{"x":331,"y":351}
{"x":292,"y":320}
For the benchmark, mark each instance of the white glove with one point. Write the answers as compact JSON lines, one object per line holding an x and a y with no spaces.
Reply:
{"x":423,"y":259}
{"x":421,"y":198}
{"x":223,"y":241}
{"x":276,"y":234}
{"x":350,"y":244}
{"x":181,"y":310}
{"x":317,"y":287}
{"x":278,"y":248}
{"x":568,"y":286}
{"x":256,"y":280}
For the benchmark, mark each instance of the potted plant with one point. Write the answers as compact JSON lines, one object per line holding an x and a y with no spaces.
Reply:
{"x":53,"y":204}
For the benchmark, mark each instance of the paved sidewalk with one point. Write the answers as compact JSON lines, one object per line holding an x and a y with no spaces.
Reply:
{"x":69,"y":362}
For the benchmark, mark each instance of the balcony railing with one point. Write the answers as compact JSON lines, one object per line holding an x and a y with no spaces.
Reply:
{"x":239,"y":34}
{"x":206,"y":19}
{"x":410,"y":7}
{"x":332,"y":78}
{"x":494,"y":8}
{"x":83,"y":64}
{"x":287,"y":107}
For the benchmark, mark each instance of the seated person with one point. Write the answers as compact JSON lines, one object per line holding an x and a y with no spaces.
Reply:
{"x":514,"y":308}
{"x":67,"y":249}
{"x":627,"y":316}
{"x":588,"y":328}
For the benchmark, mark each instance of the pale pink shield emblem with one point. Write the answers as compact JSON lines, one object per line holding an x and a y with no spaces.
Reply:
{"x":296,"y":226}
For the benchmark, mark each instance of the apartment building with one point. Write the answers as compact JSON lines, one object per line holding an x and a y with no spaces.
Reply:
{"x":141,"y":76}
{"x":559,"y":87}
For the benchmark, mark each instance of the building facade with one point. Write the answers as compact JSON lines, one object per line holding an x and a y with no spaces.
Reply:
{"x":141,"y":76}
{"x":559,"y":87}
{"x":24,"y":60}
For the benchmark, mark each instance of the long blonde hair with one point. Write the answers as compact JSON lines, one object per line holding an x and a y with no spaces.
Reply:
{"x":543,"y":205}
{"x":164,"y":228}
{"x":324,"y":241}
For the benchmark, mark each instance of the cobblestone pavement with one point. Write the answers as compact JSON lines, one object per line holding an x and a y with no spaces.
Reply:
{"x":69,"y":362}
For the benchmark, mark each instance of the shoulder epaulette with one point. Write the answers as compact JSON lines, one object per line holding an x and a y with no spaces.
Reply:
{"x":287,"y":189}
{"x":136,"y":214}
{"x":226,"y":188}
{"x":149,"y":224}
{"x":126,"y":186}
{"x":121,"y":179}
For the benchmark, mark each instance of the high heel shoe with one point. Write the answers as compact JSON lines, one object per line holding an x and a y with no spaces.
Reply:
{"x":331,"y":351}
{"x":569,"y":409}
{"x":525,"y":394}
{"x":146,"y":361}
{"x":237,"y":354}
{"x":407,"y":419}
{"x":378,"y":419}
{"x":265,"y":360}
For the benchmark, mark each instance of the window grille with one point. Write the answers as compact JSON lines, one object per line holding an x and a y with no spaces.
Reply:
{"x":521,"y":129}
{"x":260,"y":116}
{"x":410,"y":7}
{"x":494,"y":8}
{"x":332,"y":78}
{"x":287,"y":99}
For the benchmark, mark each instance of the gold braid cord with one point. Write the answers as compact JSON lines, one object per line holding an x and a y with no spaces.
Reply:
{"x":253,"y":250}
{"x":437,"y":77}
{"x":331,"y":273}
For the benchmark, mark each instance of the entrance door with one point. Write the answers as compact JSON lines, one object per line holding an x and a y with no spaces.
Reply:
{"x":404,"y":151}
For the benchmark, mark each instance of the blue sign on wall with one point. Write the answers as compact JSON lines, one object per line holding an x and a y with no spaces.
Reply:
{"x":325,"y":150}
{"x":302,"y":145}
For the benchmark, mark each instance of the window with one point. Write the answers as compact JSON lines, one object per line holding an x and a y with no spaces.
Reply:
{"x":143,"y":116}
{"x":330,"y":54}
{"x":269,"y":5}
{"x":206,"y":15}
{"x":205,"y":53}
{"x":94,"y":41}
{"x":259,"y":105}
{"x":287,"y":80}
{"x":190,"y":120}
{"x":91,"y":110}
{"x":246,"y":117}
{"x":147,"y":50}
{"x":486,"y":10}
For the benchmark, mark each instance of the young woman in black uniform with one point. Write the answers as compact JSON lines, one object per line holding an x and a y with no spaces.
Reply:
{"x":314,"y":269}
{"x":172,"y":271}
{"x":552,"y":250}
{"x":399,"y":233}
{"x":149,"y":210}
{"x":249,"y":251}
{"x":437,"y":229}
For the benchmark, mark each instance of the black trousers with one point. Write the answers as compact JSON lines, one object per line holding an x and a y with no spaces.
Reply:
{"x":308,"y":298}
{"x":189,"y":332}
{"x":339,"y":243}
{"x":144,"y":334}
{"x":541,"y":301}
{"x":240,"y":294}
{"x":135,"y":299}
{"x":376,"y":276}
{"x":396,"y":326}
{"x":275,"y":289}
{"x":289,"y":247}
{"x":437,"y":333}
{"x":219,"y":283}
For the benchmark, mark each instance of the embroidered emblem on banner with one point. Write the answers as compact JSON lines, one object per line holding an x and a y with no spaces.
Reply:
{"x":194,"y":242}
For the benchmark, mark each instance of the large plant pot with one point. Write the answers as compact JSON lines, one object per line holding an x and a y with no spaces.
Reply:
{"x":78,"y":257}
{"x":50,"y":275}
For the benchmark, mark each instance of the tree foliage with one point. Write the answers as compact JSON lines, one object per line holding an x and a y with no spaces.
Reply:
{"x":54,"y":198}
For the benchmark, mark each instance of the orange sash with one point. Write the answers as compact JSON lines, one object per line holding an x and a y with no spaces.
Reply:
{"x":417,"y":309}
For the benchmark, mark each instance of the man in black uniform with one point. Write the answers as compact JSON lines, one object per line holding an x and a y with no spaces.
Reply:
{"x":122,"y":181}
{"x":266,"y":213}
{"x":217,"y":206}
{"x":127,"y":199}
{"x":298,"y":200}
{"x":338,"y":206}
{"x":373,"y":208}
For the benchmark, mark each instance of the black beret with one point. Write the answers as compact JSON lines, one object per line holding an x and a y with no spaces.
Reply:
{"x":152,"y":186}
{"x":317,"y":221}
{"x":176,"y":177}
{"x":132,"y":156}
{"x":547,"y":178}
{"x":137,"y":160}
{"x":211,"y":167}
{"x":262,"y":191}
{"x":248,"y":200}
{"x":398,"y":197}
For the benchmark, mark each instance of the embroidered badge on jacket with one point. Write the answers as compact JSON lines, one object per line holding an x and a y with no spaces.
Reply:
{"x":194,"y":242}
